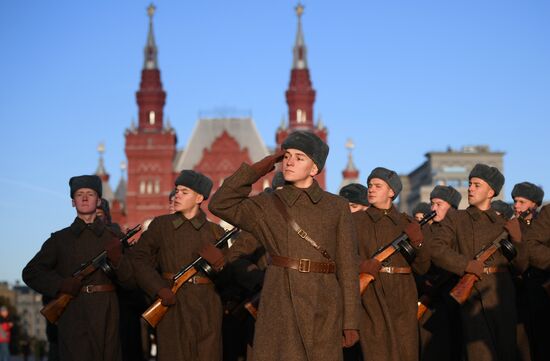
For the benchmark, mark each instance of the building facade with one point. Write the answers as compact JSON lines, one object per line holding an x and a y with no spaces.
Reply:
{"x":449,"y":168}
{"x":217,"y":146}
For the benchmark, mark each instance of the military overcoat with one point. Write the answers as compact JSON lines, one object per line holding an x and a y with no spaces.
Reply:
{"x":489,"y":316}
{"x":301,"y":315}
{"x":538,"y":240}
{"x":389,"y":329}
{"x":191,"y":329}
{"x":88,"y":329}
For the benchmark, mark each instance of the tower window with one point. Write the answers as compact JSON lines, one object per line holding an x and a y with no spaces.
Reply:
{"x":142,"y":187}
{"x":152,"y":117}
{"x":300,"y":116}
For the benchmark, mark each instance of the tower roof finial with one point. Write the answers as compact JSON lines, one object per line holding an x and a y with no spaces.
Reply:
{"x":299,"y":51}
{"x":150,"y":51}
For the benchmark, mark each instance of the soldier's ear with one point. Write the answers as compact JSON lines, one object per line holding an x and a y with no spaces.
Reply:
{"x":73,"y":203}
{"x":491,"y":193}
{"x":314,"y":170}
{"x":199,"y":198}
{"x":98,"y":203}
{"x":392,"y":193}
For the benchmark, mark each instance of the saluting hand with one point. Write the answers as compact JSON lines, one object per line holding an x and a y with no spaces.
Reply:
{"x":267,"y":164}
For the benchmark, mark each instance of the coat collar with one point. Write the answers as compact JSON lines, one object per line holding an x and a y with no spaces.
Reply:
{"x":476,"y":214}
{"x":290,"y":194}
{"x":78,"y":226}
{"x":377,"y":214}
{"x":178,"y":219}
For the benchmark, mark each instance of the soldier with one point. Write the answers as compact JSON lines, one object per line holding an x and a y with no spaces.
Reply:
{"x":488,"y":316}
{"x":88,"y":329}
{"x":171,"y":198}
{"x":439,"y":325}
{"x":389,"y":329}
{"x":191,"y":329}
{"x":357,"y":196}
{"x":420,"y":210}
{"x":532,"y":301}
{"x":309,"y":303}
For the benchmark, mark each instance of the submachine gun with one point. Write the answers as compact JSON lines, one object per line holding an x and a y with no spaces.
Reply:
{"x":154,"y":314}
{"x":400,"y":244}
{"x":55,"y":308}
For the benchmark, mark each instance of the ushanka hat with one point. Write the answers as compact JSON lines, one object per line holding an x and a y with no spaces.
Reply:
{"x":86,"y":181}
{"x":491,"y":175}
{"x":388,"y":176}
{"x":310,"y":144}
{"x":448,"y":194}
{"x":503,"y":208}
{"x":422,"y":207}
{"x":355,"y":193}
{"x":196,"y":181}
{"x":529,"y":191}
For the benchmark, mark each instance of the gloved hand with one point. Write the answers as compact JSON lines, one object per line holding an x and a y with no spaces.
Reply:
{"x":513,"y":229}
{"x":70,"y":286}
{"x":212,"y":255}
{"x":370,"y":266}
{"x":114,"y":251}
{"x":475,"y":267}
{"x":350,"y":338}
{"x":267,"y":164}
{"x":168,"y":298}
{"x":414,"y":232}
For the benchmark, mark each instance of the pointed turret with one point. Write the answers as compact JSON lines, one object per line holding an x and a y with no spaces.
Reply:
{"x":150,"y":96}
{"x":350,"y":174}
{"x":102,"y":173}
{"x":299,"y":60}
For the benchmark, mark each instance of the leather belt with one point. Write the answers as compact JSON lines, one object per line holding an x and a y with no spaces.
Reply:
{"x":97,"y":288}
{"x":489,"y":270}
{"x":394,"y":270}
{"x":303,"y":265}
{"x":196,"y":279}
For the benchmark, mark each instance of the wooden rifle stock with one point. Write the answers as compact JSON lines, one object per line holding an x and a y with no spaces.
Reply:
{"x":154,"y":314}
{"x":365,"y":278}
{"x":423,"y":303}
{"x":463,"y":289}
{"x":55,"y":308}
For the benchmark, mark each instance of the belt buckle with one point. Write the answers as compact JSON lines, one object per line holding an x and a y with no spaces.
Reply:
{"x":89,"y":289}
{"x":304,"y":265}
{"x":302,"y":234}
{"x":192,"y":280}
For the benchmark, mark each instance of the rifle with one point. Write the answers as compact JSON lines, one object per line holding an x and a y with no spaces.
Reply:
{"x":425,"y":301}
{"x":154,"y":314}
{"x":400,"y":244}
{"x":463,"y":289}
{"x":55,"y":308}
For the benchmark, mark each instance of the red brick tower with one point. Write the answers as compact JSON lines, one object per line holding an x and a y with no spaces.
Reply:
{"x":350,"y":174}
{"x":151,"y":146}
{"x":300,"y":96}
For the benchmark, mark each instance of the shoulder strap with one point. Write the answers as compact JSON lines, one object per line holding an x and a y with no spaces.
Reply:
{"x":303,"y":234}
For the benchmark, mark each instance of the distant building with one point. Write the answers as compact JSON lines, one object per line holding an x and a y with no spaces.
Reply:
{"x":28,"y":304}
{"x":450,"y":168}
{"x":7,"y":293}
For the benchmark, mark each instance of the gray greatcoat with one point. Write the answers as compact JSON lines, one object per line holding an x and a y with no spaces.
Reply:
{"x":489,"y":315}
{"x":301,"y":315}
{"x":88,"y":329}
{"x":191,"y":329}
{"x":389,"y":329}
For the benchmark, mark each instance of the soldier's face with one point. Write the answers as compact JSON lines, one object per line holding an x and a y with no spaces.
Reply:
{"x":186,"y":199}
{"x":298,"y":167}
{"x":86,"y":201}
{"x":479,"y":192}
{"x":380,"y":194}
{"x":440,"y":207}
{"x":522,"y":204}
{"x":171,"y":205}
{"x":354,"y":207}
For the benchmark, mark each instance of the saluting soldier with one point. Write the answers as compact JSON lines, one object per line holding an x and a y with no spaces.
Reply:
{"x":439,"y":326}
{"x":488,"y":316}
{"x":389,"y":329}
{"x":88,"y":329}
{"x":191,"y":329}
{"x":309,"y":304}
{"x":533,"y":301}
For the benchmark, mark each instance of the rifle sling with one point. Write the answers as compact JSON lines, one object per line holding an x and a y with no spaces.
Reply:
{"x":303,"y":234}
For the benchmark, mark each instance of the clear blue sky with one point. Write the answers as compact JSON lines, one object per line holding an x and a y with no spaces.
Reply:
{"x":399,"y":77}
